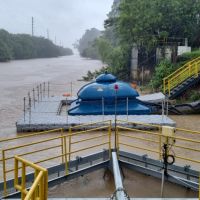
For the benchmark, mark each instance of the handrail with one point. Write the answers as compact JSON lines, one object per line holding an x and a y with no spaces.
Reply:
{"x":39,"y":188}
{"x":188,"y":70}
{"x":63,"y":141}
{"x":29,"y":135}
{"x":181,"y":68}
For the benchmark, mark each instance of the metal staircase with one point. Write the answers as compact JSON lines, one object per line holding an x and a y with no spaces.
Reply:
{"x":182,"y":79}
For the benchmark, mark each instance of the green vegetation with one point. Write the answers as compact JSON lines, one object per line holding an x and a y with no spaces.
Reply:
{"x":23,"y":46}
{"x":87,"y":46}
{"x":146,"y":24}
{"x":165,"y":68}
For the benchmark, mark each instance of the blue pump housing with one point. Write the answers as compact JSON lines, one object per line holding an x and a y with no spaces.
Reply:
{"x":106,"y":94}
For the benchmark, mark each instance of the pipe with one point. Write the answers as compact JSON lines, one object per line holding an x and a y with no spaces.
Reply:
{"x":120,"y":195}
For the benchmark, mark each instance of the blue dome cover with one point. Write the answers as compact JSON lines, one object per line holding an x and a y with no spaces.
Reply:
{"x":103,"y":78}
{"x":99,"y":96}
{"x":105,"y":87}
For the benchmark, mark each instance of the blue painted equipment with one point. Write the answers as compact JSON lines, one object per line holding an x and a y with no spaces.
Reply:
{"x":106,"y":93}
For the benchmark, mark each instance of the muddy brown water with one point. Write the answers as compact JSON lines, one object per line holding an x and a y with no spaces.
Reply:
{"x":19,"y":77}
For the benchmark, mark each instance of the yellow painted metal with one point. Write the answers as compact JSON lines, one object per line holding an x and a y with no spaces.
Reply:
{"x":139,"y":138}
{"x":66,"y":150}
{"x":138,"y":147}
{"x":88,"y":139}
{"x":187,"y":159}
{"x":32,"y":152}
{"x":30,"y":135}
{"x":89,"y":124}
{"x":109,"y":133}
{"x":62,"y":145}
{"x":158,"y":134}
{"x":39,"y":189}
{"x":138,"y":130}
{"x":89,"y":130}
{"x":32,"y":143}
{"x":190,"y":69}
{"x":66,"y":154}
{"x":90,"y":147}
{"x":4,"y":173}
{"x":70,"y":142}
{"x":188,"y":131}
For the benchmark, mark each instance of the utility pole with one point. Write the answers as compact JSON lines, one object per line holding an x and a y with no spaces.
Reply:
{"x":32,"y":26}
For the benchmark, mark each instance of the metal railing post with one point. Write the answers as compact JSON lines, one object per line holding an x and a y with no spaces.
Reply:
{"x":169,"y":89}
{"x":48,"y":89}
{"x":34,"y":97}
{"x":160,"y":143}
{"x":62,"y":146}
{"x":117,"y":132}
{"x":109,"y":137}
{"x":44,"y":89}
{"x":70,"y":140}
{"x":196,"y":69}
{"x":23,"y":182}
{"x":40,"y":91}
{"x":38,"y":94}
{"x":4,"y":173}
{"x":29,"y":110}
{"x":24,"y":109}
{"x":65,"y":152}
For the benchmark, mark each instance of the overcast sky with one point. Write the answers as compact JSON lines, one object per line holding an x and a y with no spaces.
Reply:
{"x":65,"y":19}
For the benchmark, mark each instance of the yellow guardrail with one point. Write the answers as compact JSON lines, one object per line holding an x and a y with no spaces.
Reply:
{"x":155,"y":139}
{"x":39,"y":188}
{"x":64,"y":142}
{"x":190,"y":69}
{"x":103,"y":125}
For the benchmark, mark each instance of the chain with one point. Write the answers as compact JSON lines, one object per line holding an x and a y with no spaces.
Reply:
{"x":113,"y":197}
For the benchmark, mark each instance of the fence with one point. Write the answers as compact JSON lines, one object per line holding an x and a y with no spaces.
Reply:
{"x":68,"y":145}
{"x":184,"y":143}
{"x":39,"y":189}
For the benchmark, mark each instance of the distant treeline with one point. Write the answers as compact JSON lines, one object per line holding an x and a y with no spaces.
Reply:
{"x":24,"y":46}
{"x":86,"y":45}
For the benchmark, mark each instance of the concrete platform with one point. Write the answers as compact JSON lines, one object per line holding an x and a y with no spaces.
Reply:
{"x":47,"y":115}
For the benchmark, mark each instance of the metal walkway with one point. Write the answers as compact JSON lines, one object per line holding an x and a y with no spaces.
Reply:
{"x":45,"y":115}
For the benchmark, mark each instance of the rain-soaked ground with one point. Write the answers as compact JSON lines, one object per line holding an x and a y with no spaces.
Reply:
{"x":19,"y":77}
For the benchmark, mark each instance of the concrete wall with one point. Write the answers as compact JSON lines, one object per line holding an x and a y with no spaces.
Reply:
{"x":183,"y":49}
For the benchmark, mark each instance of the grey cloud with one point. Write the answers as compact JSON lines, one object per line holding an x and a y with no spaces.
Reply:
{"x":65,"y":19}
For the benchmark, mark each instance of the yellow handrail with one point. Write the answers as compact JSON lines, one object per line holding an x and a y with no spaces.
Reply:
{"x":58,"y":142}
{"x":156,"y":138}
{"x":39,"y":189}
{"x":190,"y":69}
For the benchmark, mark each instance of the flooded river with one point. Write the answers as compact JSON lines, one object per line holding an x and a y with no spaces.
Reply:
{"x":19,"y":77}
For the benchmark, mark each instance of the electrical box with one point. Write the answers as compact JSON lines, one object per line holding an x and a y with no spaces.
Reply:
{"x":168,"y":131}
